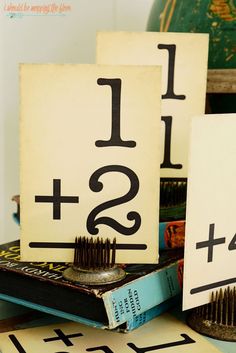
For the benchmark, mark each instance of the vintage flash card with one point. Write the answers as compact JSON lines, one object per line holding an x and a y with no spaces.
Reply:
{"x":183,"y":57}
{"x":210,"y":241}
{"x":163,"y":333}
{"x":89,"y":153}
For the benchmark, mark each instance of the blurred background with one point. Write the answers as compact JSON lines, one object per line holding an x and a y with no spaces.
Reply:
{"x":45,"y":31}
{"x":41,"y":31}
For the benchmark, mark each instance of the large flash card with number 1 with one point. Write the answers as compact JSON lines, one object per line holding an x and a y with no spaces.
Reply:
{"x":183,"y":58}
{"x":89,"y":159}
{"x":210,"y":246}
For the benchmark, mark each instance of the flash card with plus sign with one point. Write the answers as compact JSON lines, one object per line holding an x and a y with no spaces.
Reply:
{"x":210,"y":241}
{"x":89,"y":150}
{"x":164,"y":333}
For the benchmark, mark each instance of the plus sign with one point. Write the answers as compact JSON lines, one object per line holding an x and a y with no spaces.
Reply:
{"x":210,"y":243}
{"x":56,"y":199}
{"x":62,"y":337}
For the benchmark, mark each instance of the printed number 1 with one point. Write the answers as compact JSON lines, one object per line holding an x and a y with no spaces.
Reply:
{"x":186,"y":340}
{"x":167,"y":146}
{"x":115,"y":139}
{"x":170,"y":94}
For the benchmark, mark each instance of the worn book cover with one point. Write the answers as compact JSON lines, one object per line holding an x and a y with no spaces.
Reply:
{"x":41,"y":286}
{"x":14,"y":317}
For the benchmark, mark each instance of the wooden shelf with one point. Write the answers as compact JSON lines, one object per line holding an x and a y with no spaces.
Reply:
{"x":221,"y":81}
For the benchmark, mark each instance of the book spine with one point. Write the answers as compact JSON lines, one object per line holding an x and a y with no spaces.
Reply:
{"x":150,"y":314}
{"x":142,"y":294}
{"x":171,"y":234}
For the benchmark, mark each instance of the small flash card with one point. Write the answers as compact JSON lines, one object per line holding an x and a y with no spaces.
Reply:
{"x":183,"y":57}
{"x":210,"y":241}
{"x":90,"y":137}
{"x":163,"y":333}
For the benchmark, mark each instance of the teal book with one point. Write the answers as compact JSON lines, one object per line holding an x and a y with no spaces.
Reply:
{"x":41,"y":286}
{"x":14,"y":317}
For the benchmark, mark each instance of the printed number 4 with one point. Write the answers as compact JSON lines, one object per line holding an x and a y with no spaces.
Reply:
{"x":232,"y":244}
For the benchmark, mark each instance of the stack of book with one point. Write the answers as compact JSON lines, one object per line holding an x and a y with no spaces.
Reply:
{"x":145,"y":292}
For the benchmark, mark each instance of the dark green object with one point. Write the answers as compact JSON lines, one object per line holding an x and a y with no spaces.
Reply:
{"x":172,"y":200}
{"x":216,"y":17}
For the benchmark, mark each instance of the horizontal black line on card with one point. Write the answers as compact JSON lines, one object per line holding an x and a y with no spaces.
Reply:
{"x":62,"y":245}
{"x":213,"y":285}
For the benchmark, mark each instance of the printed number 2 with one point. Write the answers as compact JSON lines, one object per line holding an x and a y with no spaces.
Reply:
{"x":96,"y":186}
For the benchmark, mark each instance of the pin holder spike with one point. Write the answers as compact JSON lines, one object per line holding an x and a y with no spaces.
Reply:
{"x":94,"y":262}
{"x":218,"y":318}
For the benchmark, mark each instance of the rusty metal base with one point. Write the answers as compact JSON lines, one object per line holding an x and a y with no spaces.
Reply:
{"x":95,"y":277}
{"x":211,"y":329}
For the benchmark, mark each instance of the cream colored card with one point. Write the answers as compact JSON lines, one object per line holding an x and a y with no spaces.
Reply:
{"x":89,"y":159}
{"x":163,"y":333}
{"x":210,"y":241}
{"x":183,"y":57}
